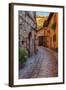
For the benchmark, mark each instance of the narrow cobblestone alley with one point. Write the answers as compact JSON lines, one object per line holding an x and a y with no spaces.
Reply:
{"x":43,"y":64}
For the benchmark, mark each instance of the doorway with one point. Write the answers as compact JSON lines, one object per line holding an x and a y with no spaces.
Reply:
{"x":40,"y":39}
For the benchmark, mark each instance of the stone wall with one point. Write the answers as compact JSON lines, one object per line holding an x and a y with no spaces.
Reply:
{"x":27,"y":25}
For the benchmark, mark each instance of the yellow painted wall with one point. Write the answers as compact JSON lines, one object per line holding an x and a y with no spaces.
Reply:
{"x":52,"y":32}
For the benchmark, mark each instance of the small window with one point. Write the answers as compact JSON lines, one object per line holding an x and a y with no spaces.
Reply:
{"x":22,"y":42}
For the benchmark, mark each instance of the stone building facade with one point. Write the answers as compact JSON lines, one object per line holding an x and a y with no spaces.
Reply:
{"x":27,"y":27}
{"x":46,"y":36}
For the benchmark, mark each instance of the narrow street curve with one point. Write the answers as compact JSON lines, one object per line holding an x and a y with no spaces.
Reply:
{"x":43,"y":64}
{"x":48,"y":64}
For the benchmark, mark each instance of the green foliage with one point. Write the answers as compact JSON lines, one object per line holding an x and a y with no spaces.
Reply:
{"x":23,"y":55}
{"x":53,"y":26}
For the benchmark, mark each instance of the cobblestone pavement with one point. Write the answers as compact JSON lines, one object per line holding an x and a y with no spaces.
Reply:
{"x":43,"y":64}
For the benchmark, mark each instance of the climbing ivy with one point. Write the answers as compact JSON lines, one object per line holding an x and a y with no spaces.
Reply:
{"x":53,"y":26}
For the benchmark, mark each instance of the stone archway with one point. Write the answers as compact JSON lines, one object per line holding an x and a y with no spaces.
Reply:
{"x":40,"y":39}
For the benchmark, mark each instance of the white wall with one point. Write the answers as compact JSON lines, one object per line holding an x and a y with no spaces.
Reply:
{"x":4,"y":45}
